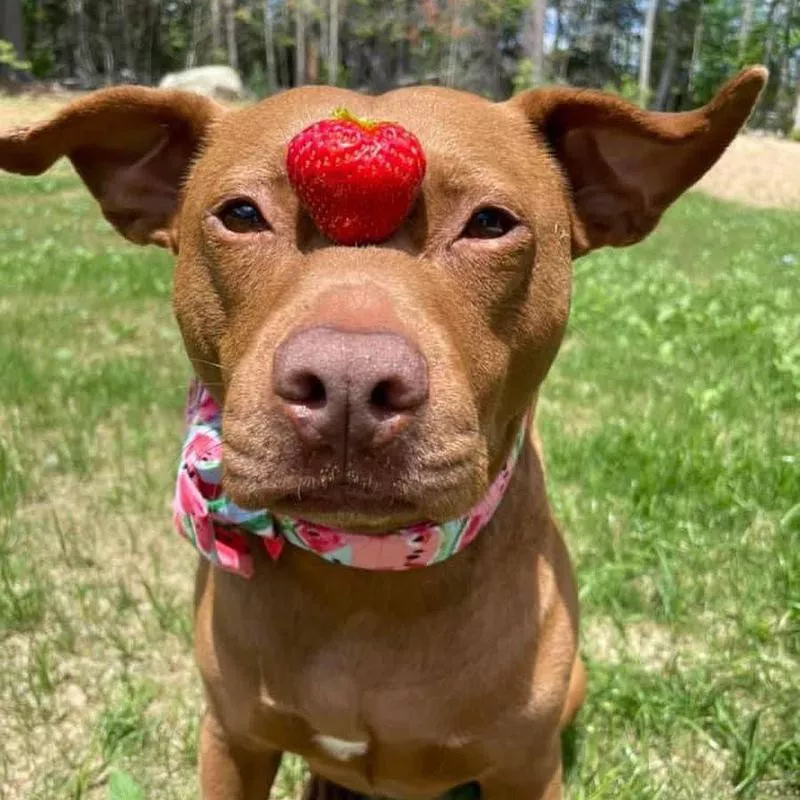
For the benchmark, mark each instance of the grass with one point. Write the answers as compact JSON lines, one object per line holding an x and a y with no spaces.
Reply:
{"x":672,"y":434}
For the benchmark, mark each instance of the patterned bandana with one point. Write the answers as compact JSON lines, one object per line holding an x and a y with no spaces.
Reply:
{"x":219,"y":529}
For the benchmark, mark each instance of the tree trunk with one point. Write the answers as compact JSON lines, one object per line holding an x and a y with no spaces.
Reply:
{"x":744,"y":30}
{"x":11,"y":26}
{"x":194,"y":36}
{"x":647,"y":54}
{"x":230,"y":32}
{"x":123,"y":26}
{"x":534,"y":40}
{"x":670,"y":62}
{"x":151,"y":38}
{"x":282,"y":24}
{"x":269,"y":49}
{"x":333,"y":41}
{"x":449,"y":76}
{"x":83,"y":56}
{"x":106,"y":46}
{"x":312,"y":43}
{"x":697,"y":43}
{"x":401,"y":44}
{"x":216,"y":30}
{"x":558,"y":55}
{"x":300,"y":43}
{"x":797,"y":110}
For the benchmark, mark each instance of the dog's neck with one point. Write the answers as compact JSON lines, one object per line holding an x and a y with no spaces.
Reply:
{"x":221,"y":531}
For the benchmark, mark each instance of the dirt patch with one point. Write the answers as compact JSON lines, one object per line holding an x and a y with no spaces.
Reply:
{"x":28,"y":109}
{"x":757,"y":170}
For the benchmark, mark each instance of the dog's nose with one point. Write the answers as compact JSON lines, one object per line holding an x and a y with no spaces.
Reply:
{"x":346,"y":389}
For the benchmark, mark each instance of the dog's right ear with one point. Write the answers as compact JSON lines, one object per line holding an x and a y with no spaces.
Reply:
{"x":624,"y":166}
{"x":131,"y":145}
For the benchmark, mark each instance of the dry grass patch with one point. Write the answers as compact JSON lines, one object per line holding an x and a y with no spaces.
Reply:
{"x":27,"y":109}
{"x":759,"y":171}
{"x":645,"y":644}
{"x":107,"y":668}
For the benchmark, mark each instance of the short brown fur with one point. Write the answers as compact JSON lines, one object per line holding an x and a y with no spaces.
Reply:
{"x":467,"y":670}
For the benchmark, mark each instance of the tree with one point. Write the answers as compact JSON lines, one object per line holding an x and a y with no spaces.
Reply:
{"x":534,"y":40}
{"x":11,"y":26}
{"x":230,"y":31}
{"x":744,"y":29}
{"x":450,"y":64}
{"x":796,"y":121}
{"x":647,"y":53}
{"x":672,"y":90}
{"x":671,"y":54}
{"x":216,"y":29}
{"x":269,"y":48}
{"x":84,"y":63}
{"x":300,"y":43}
{"x":333,"y":42}
{"x":312,"y":43}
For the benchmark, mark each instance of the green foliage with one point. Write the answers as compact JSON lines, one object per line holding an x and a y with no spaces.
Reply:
{"x":257,"y":82}
{"x":8,"y":57}
{"x":122,"y":786}
{"x":523,"y":79}
{"x":628,"y":89}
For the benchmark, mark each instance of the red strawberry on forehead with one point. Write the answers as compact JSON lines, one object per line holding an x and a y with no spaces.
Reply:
{"x":356,"y":178}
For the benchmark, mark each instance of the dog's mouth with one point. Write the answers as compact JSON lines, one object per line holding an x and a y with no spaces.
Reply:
{"x":350,"y":506}
{"x":371,"y":503}
{"x":415,"y":480}
{"x":348,"y":503}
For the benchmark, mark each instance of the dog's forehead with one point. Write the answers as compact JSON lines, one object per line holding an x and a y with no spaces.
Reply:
{"x":451,"y":125}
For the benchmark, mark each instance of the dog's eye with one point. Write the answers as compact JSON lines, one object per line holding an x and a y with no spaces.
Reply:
{"x":489,"y":223}
{"x":241,"y":216}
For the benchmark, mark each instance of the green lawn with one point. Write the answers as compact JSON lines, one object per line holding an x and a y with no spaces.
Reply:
{"x":672,"y":437}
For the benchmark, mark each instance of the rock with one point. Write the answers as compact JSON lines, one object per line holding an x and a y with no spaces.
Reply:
{"x":219,"y":82}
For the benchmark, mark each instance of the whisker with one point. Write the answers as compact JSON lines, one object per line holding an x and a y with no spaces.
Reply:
{"x":205,"y":383}
{"x":203,"y":361}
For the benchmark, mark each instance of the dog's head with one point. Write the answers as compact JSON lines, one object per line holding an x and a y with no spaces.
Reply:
{"x":368,"y":387}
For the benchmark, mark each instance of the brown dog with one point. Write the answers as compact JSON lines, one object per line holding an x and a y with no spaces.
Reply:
{"x":411,"y":683}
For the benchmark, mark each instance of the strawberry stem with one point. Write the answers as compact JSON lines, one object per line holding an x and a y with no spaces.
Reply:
{"x":345,"y":115}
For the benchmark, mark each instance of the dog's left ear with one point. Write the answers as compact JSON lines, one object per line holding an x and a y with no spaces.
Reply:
{"x":131,"y":145}
{"x":624,"y":165}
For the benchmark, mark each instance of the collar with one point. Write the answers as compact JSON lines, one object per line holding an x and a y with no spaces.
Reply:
{"x":219,"y":529}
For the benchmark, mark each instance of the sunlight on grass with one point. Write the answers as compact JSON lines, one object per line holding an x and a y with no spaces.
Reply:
{"x":672,"y":435}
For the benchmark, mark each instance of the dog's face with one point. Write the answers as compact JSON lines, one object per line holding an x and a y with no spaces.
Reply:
{"x":368,"y":387}
{"x":459,"y":315}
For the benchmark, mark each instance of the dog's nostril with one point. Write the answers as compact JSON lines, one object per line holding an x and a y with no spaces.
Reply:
{"x":306,"y":388}
{"x":380,"y":397}
{"x":394,"y":395}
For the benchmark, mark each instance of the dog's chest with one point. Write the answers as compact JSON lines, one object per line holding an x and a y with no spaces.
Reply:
{"x":398,"y":742}
{"x":362,"y":680}
{"x":382,"y":700}
{"x":396,"y":723}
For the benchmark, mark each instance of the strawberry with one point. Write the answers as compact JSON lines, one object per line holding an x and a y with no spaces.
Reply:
{"x":355,"y":177}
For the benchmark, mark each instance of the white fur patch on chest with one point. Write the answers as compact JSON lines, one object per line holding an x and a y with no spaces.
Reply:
{"x":340,"y":749}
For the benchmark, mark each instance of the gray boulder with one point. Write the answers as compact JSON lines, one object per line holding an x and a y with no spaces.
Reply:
{"x":220,"y":82}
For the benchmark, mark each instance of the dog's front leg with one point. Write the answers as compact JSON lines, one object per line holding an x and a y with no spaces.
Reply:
{"x":536,"y":779}
{"x":229,"y":772}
